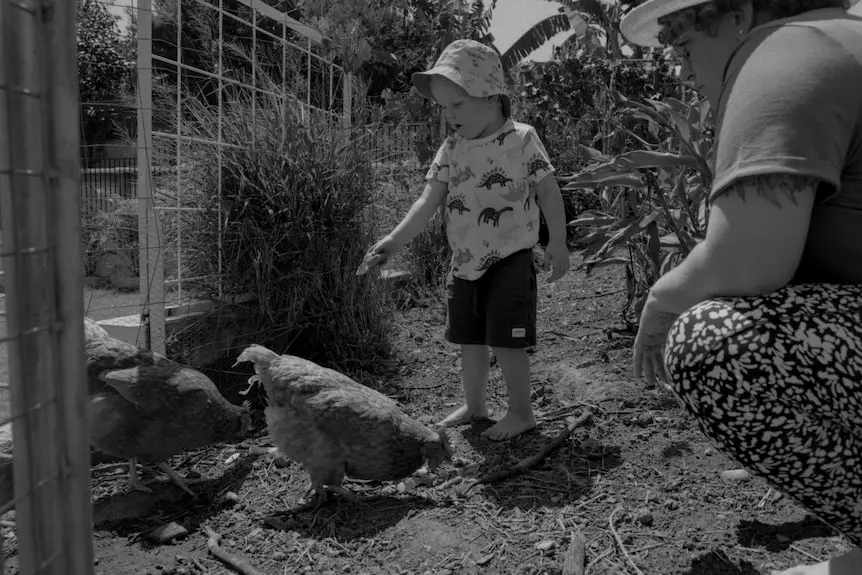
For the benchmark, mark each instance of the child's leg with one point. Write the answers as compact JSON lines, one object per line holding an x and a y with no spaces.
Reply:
{"x":511,"y":328}
{"x":464,"y":326}
{"x":515,"y":365}
{"x":474,"y":378}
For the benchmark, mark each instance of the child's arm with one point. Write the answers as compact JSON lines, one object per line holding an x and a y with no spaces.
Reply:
{"x":420,"y":214}
{"x":551,"y":204}
{"x":416,"y":219}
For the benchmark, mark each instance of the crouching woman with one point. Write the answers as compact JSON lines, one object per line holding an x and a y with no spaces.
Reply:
{"x":759,"y":329}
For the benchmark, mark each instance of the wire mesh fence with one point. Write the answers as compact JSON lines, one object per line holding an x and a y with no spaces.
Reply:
{"x":41,"y":329}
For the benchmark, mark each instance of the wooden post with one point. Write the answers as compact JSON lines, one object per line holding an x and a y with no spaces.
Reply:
{"x":70,"y":380}
{"x":30,"y":287}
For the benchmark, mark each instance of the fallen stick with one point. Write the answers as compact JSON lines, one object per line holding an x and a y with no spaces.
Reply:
{"x":235,"y":563}
{"x":620,"y":544}
{"x":533,"y":460}
{"x":575,"y":561}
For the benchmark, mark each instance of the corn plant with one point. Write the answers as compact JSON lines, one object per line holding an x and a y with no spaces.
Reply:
{"x":653,"y":200}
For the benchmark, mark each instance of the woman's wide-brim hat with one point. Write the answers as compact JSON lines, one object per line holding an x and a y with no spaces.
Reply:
{"x":640,"y":26}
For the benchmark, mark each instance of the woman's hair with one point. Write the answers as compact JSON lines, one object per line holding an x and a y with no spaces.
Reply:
{"x":704,"y":17}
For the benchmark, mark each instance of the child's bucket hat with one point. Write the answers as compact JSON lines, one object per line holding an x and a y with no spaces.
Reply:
{"x":474,"y":67}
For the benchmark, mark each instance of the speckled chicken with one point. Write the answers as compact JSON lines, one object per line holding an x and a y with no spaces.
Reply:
{"x":335,"y":426}
{"x":143,"y":406}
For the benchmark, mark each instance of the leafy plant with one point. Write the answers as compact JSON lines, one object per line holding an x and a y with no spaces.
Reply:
{"x":280,"y":213}
{"x":654,"y":204}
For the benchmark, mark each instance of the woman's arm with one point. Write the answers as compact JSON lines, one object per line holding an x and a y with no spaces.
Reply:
{"x":754,"y":242}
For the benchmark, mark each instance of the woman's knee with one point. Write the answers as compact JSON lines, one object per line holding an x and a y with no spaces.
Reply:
{"x":689,"y":346}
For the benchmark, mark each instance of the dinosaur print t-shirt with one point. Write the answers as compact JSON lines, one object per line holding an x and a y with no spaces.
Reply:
{"x":490,"y":207}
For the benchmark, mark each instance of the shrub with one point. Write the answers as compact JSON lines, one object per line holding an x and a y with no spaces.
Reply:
{"x":294,"y":194}
{"x":111,"y":231}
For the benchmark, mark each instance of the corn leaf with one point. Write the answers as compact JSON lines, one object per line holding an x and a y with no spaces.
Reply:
{"x":626,"y":233}
{"x":593,"y":221}
{"x":604,"y":179}
{"x":640,"y":159}
{"x":592,"y":154}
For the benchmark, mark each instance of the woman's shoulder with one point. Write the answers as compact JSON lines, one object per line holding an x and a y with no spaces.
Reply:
{"x":805,"y":40}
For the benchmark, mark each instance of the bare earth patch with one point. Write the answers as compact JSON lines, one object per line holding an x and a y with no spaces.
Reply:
{"x":640,"y":462}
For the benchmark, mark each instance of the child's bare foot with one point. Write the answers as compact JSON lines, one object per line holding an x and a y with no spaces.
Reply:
{"x":509,"y":427}
{"x":463,"y":416}
{"x":847,"y":564}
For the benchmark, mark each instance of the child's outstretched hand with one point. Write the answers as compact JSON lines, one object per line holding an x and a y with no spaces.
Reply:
{"x":377,"y":255}
{"x":557,"y":254}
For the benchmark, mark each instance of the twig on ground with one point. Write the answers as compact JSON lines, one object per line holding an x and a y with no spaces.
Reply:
{"x":806,"y":553}
{"x":620,"y":543}
{"x":575,"y":561}
{"x":763,"y":499}
{"x":596,"y":295}
{"x":598,"y":559}
{"x":235,"y":563}
{"x":533,"y":460}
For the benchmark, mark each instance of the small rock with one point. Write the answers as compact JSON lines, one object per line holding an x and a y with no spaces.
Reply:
{"x":781,"y":538}
{"x":167,"y":532}
{"x":407,"y":485}
{"x":279,"y":556}
{"x":708,"y":451}
{"x":231,"y":496}
{"x":671,"y":504}
{"x":591,"y":448}
{"x":645,"y":419}
{"x":545,"y":545}
{"x":736,"y":475}
{"x":644,"y":517}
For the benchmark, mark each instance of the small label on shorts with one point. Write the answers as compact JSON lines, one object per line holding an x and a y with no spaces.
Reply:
{"x":519,"y":332}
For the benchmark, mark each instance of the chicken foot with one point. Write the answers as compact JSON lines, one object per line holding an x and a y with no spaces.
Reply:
{"x":176,"y":478}
{"x":331,"y":484}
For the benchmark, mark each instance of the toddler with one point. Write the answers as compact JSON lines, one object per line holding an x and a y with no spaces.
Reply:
{"x":492,"y":177}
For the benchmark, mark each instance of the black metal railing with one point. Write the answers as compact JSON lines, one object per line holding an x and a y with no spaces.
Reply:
{"x":106,"y":181}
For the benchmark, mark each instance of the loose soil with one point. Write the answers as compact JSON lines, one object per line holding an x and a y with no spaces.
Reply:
{"x":640,"y":482}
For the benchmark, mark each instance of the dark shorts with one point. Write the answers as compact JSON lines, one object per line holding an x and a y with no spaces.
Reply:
{"x":499,"y":308}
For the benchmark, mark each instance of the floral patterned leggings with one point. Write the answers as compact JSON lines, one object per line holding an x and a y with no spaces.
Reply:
{"x":776,"y":382}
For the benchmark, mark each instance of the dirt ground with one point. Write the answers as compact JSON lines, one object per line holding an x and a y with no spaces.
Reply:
{"x":639,"y":481}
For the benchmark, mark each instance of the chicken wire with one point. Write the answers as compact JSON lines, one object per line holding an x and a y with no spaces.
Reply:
{"x":301,"y":76}
{"x":46,"y":480}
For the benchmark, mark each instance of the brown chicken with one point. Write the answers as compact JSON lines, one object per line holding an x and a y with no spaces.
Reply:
{"x":336,"y":427}
{"x":143,"y":406}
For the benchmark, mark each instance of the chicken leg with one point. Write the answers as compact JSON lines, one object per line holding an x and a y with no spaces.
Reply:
{"x":328,"y":480}
{"x":176,"y":478}
{"x":135,"y":483}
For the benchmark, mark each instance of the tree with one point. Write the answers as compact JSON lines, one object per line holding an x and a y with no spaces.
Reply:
{"x":106,"y":69}
{"x":595,"y":23}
